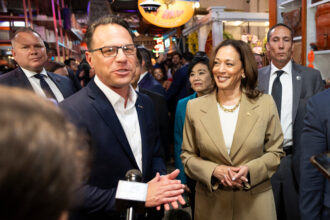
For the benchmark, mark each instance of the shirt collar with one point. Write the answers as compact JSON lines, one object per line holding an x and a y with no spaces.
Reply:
{"x":287,"y":68}
{"x":114,"y":98}
{"x":30,"y":74}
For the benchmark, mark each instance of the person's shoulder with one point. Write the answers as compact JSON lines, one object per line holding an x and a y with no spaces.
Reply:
{"x":59,"y":77}
{"x":264,"y":69}
{"x":305,"y":69}
{"x":203,"y":100}
{"x":322,"y":98}
{"x":76,"y":100}
{"x":151,"y":94}
{"x":262,"y":99}
{"x":8,"y":76}
{"x":186,"y":99}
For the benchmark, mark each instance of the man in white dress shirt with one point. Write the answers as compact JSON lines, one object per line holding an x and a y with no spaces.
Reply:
{"x":29,"y":52}
{"x":291,"y":85}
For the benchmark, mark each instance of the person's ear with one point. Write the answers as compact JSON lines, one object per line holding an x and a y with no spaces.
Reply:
{"x":89,"y":58}
{"x":267,"y":46}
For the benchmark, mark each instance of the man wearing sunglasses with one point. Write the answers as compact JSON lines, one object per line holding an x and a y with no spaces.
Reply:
{"x":121,"y":125}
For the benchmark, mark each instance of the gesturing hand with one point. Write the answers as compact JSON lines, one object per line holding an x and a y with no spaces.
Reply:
{"x":164,"y":190}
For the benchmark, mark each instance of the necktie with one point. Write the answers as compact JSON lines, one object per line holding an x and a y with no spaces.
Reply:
{"x":44,"y":85}
{"x":277,"y":91}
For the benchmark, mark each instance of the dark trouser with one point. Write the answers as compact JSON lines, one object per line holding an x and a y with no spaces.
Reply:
{"x":285,"y":191}
{"x":192,"y":184}
{"x":325,"y":213}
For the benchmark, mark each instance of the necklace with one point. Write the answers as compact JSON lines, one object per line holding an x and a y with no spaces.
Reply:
{"x":230,"y":109}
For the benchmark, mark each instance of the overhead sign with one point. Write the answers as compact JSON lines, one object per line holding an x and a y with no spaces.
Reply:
{"x":171,"y":15}
{"x":159,"y":47}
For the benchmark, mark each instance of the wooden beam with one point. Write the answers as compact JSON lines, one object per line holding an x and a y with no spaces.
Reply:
{"x":303,"y":31}
{"x":272,"y":12}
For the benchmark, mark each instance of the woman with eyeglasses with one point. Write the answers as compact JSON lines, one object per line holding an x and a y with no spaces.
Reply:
{"x":232,"y":141}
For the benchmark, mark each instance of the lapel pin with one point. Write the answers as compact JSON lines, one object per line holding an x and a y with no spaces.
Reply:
{"x":298,"y":77}
{"x":140,"y":106}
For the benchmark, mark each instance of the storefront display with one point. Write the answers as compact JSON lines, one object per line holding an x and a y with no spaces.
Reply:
{"x":322,"y":21}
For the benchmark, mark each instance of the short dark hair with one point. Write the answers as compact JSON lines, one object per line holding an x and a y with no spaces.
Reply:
{"x":199,"y":59}
{"x":68,"y":61}
{"x":146,"y":57}
{"x":176,"y":53}
{"x":25,"y":30}
{"x":188,"y":56}
{"x":41,"y":164}
{"x":278,"y":25}
{"x":108,"y":19}
{"x":249,"y":83}
{"x":52,"y":66}
{"x":139,"y":57}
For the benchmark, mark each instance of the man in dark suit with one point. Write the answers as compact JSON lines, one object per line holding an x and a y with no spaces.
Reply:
{"x":160,"y":106}
{"x":147,"y":81}
{"x":120,"y":124}
{"x":314,"y":200}
{"x":30,"y":54}
{"x":291,"y":85}
{"x":180,"y":86}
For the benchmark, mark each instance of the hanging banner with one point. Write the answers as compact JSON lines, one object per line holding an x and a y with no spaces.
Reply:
{"x":170,"y":15}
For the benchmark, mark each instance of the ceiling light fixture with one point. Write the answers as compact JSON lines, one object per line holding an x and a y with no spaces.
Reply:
{"x":150,"y":6}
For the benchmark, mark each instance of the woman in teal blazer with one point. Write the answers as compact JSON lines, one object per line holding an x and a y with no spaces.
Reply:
{"x":202,"y":83}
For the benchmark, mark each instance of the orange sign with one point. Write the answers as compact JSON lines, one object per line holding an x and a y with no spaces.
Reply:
{"x":169,"y":16}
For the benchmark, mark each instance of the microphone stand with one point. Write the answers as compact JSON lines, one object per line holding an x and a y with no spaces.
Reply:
{"x":133,"y":176}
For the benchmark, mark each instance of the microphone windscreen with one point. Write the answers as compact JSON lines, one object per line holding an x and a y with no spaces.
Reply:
{"x":134,"y":175}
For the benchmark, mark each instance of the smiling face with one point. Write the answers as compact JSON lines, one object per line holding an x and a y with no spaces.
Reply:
{"x":227,"y":69}
{"x":158,"y":74}
{"x":279,"y":46}
{"x":29,"y":51}
{"x":115,"y":72}
{"x":200,"y":79}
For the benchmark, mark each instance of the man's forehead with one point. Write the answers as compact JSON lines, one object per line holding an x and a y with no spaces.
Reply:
{"x":103,"y":31}
{"x":280,"y":30}
{"x":27,"y":38}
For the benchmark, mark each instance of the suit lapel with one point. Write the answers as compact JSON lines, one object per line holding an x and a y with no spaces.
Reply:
{"x":143,"y":129}
{"x":297,"y":79}
{"x":264,"y":76}
{"x":211,"y":122}
{"x":144,"y":81}
{"x":58,"y":83}
{"x":109,"y":116}
{"x":22,"y":80}
{"x":245,"y":123}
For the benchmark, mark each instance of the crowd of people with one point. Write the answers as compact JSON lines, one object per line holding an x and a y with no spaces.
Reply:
{"x":241,"y":135}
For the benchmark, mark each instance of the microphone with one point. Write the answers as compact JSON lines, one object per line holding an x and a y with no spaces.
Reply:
{"x":132,"y":176}
{"x":131,"y":194}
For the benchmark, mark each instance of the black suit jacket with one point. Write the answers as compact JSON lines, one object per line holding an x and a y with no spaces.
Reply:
{"x":314,"y":187}
{"x":306,"y":82}
{"x":91,"y":111}
{"x":150,"y":83}
{"x":162,"y":118}
{"x":17,"y":78}
{"x":179,"y":88}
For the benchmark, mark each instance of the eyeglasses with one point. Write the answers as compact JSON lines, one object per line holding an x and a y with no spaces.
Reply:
{"x":112,"y":51}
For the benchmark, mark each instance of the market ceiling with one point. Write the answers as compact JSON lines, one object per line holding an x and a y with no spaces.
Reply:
{"x":127,"y":9}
